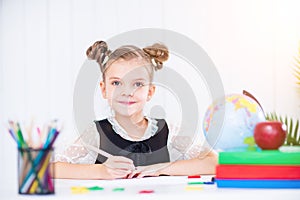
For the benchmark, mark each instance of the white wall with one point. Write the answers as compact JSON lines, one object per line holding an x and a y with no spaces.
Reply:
{"x":43,"y":43}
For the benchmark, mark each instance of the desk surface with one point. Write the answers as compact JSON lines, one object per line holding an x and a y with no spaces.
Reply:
{"x":163,"y":187}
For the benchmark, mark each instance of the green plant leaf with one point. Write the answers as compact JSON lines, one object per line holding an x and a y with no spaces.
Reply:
{"x":296,"y":132}
{"x":291,"y":127}
{"x":280,"y":119}
{"x":286,"y":122}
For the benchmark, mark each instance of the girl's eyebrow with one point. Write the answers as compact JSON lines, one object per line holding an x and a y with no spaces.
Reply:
{"x":114,"y":78}
{"x":140,"y":79}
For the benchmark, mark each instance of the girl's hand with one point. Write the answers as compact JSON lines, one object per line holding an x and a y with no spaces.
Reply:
{"x":118,"y":167}
{"x":150,"y":170}
{"x":119,"y":162}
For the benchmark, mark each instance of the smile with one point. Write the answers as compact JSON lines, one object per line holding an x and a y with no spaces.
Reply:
{"x":127,"y":103}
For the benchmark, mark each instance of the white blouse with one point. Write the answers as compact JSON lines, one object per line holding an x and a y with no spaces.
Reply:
{"x":180,"y":147}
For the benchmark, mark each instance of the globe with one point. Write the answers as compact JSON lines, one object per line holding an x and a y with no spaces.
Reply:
{"x":229,"y":122}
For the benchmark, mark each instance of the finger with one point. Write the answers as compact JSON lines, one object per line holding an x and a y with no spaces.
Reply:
{"x":113,"y":174}
{"x":119,"y":165}
{"x":136,"y":172}
{"x":140,"y":168}
{"x":133,"y":174}
{"x":122,"y":159}
{"x":143,"y":174}
{"x":122,"y":165}
{"x":120,"y":173}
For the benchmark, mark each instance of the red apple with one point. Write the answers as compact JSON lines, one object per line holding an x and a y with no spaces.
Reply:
{"x":269,"y":134}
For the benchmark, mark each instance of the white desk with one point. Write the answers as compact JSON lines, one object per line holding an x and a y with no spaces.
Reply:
{"x":164,"y":188}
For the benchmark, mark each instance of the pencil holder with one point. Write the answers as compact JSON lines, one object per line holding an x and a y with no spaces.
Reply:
{"x":34,"y":171}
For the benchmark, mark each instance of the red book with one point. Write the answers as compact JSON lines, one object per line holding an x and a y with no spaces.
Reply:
{"x":258,"y":172}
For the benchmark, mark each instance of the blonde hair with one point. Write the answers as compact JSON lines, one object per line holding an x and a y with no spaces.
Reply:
{"x":155,"y":55}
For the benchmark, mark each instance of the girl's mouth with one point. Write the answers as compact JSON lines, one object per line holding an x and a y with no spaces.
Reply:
{"x":127,"y":103}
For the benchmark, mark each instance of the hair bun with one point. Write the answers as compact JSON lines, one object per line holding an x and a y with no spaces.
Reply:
{"x":159,"y":53}
{"x":99,"y":52}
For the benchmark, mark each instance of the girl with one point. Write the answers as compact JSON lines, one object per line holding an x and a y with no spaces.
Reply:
{"x":130,"y":138}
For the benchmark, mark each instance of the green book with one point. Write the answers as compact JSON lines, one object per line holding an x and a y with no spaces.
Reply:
{"x":262,"y":157}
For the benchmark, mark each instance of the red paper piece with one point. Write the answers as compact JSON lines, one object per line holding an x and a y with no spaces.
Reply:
{"x":194,"y":176}
{"x":146,"y":191}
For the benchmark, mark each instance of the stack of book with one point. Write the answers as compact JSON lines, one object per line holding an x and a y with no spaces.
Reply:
{"x":258,"y":169}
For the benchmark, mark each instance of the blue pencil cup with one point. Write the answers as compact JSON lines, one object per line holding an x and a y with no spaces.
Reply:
{"x":34,"y":171}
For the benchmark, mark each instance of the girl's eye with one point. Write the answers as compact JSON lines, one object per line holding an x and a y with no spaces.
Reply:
{"x":116,"y":83}
{"x":139,"y":84}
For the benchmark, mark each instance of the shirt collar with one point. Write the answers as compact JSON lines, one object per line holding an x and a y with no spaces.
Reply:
{"x":150,"y":131}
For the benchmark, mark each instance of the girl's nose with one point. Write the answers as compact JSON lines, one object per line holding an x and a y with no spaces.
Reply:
{"x":128,"y":91}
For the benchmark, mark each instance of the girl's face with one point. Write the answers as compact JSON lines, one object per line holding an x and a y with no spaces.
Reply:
{"x":127,"y":86}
